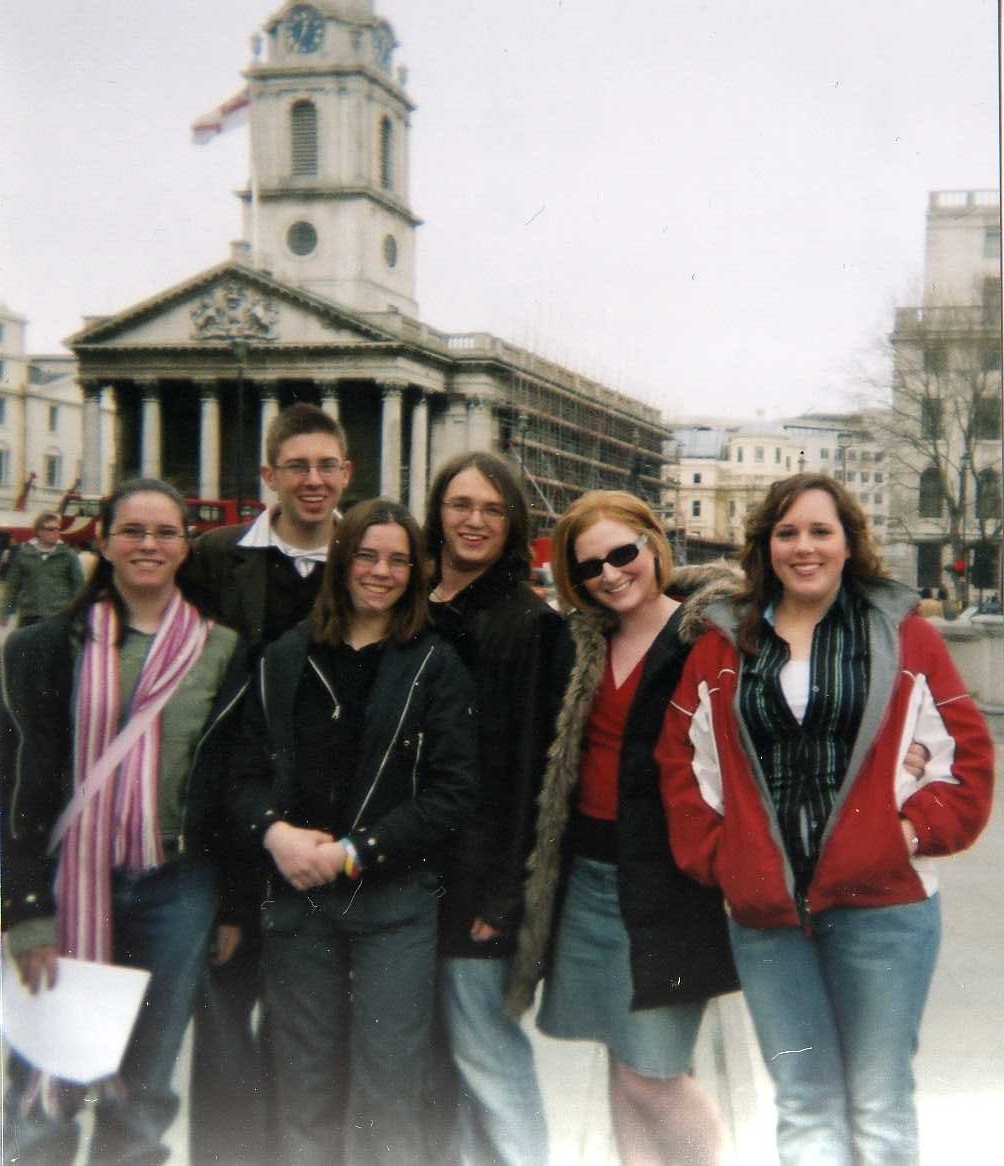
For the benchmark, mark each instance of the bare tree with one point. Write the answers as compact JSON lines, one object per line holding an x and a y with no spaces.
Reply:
{"x":943,"y":430}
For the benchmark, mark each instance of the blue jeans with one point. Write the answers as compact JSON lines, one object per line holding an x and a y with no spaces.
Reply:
{"x":349,"y":973}
{"x":162,"y":922}
{"x":501,"y":1118}
{"x":837,"y":1015}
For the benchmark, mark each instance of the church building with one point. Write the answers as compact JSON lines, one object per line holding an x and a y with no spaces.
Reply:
{"x":317,"y":303}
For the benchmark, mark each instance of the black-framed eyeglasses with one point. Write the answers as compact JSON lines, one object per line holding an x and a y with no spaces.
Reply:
{"x":618,"y":557}
{"x":165,"y":535}
{"x":299,"y":468}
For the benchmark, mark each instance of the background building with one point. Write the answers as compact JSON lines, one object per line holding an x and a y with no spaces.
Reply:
{"x":945,"y":431}
{"x":41,"y":451}
{"x":318,"y":303}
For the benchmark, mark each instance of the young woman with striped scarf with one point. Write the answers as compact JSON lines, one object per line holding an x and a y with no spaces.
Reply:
{"x":110,"y":731}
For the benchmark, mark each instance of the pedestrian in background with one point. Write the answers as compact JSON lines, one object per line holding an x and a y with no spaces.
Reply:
{"x":638,"y":947}
{"x":478,"y":534}
{"x":43,"y":575}
{"x":357,"y":764}
{"x":110,"y":856}
{"x":783,"y":775}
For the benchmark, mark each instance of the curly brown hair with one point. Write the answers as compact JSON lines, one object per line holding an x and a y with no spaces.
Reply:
{"x":761,"y":587}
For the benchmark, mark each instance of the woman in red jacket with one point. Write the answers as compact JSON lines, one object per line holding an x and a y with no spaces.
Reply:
{"x":782,"y":770}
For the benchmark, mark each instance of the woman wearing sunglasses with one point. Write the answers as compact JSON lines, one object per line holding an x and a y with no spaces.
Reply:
{"x":361,"y":763}
{"x":112,"y":735}
{"x":638,"y":948}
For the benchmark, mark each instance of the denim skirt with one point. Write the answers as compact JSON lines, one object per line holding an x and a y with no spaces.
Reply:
{"x":587,"y":994}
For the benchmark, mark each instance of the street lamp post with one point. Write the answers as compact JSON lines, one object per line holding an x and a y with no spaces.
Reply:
{"x":964,"y":474}
{"x":239,"y":347}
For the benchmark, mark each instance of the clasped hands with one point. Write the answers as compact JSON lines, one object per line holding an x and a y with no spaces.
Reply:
{"x":306,"y":858}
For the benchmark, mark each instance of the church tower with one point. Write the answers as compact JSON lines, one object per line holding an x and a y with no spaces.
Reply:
{"x":328,"y":206}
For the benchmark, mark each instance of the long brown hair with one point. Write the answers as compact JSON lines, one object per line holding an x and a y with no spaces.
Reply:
{"x":503,"y":477}
{"x":333,"y":611}
{"x":761,"y":587}
{"x":619,"y":506}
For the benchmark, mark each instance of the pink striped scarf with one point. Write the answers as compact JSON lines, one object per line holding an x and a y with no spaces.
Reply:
{"x":119,"y":824}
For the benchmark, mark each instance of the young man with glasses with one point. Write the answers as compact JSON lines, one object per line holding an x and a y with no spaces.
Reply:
{"x":43,"y":576}
{"x":260,"y":579}
{"x":478,"y":534}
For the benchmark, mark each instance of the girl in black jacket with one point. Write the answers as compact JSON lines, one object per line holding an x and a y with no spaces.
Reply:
{"x":361,"y":747}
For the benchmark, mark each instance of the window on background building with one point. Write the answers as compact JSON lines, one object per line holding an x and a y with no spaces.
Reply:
{"x":695,"y":508}
{"x":987,"y":419}
{"x":864,"y":499}
{"x":931,"y":409}
{"x":839,"y":475}
{"x":3,"y":410}
{"x":878,"y":477}
{"x":3,"y":372}
{"x":739,"y":453}
{"x":992,"y":299}
{"x":852,"y":455}
{"x":878,"y":519}
{"x":935,"y":359}
{"x":988,"y":494}
{"x":865,"y":475}
{"x":850,"y":476}
{"x":879,"y":456}
{"x":824,"y":455}
{"x":4,"y":466}
{"x":758,"y":453}
{"x":697,"y":479}
{"x":787,"y":463}
{"x":54,"y":471}
{"x":929,"y":564}
{"x":929,"y":502}
{"x":732,"y":508}
{"x":53,"y":418}
{"x":303,"y":136}
{"x":777,"y":455}
{"x":990,"y":358}
{"x":992,"y":243}
{"x":386,"y":153}
{"x":866,"y":455}
{"x":879,"y":499}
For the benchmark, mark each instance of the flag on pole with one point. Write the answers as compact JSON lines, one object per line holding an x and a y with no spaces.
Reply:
{"x":232,"y":113}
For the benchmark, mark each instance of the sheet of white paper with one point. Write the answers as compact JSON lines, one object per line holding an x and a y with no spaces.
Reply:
{"x":79,"y":1029}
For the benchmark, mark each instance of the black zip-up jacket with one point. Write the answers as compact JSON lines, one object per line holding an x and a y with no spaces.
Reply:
{"x":416,"y":778}
{"x":36,"y":762}
{"x":505,"y":634}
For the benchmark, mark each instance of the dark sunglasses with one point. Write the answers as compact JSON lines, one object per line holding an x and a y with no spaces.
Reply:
{"x":618,"y":557}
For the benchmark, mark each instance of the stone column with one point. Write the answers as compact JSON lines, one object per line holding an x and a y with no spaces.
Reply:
{"x":330,"y":400}
{"x":455,"y":436}
{"x":269,"y":409}
{"x":390,"y":441}
{"x":209,"y":440}
{"x":418,"y":477}
{"x":479,"y":424}
{"x":150,"y":455}
{"x":93,"y":459}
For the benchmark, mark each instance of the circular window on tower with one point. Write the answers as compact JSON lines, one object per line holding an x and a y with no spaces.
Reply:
{"x":301,"y":238}
{"x":390,"y":250}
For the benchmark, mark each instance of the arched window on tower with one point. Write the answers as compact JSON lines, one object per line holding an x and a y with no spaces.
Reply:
{"x":303,"y":137}
{"x":386,"y":153}
{"x":930,"y":501}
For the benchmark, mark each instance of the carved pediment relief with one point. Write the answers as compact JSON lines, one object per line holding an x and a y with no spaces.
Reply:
{"x":232,"y":309}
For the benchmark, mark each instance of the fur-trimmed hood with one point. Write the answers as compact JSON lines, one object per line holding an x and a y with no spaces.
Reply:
{"x":697,"y":586}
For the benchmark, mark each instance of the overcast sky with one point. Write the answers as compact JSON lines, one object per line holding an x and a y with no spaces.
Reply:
{"x":713,"y":204}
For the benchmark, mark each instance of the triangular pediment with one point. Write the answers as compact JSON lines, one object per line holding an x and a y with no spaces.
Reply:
{"x":225,"y":303}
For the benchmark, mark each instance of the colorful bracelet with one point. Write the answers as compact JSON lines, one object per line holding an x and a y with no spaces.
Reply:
{"x":352,"y":868}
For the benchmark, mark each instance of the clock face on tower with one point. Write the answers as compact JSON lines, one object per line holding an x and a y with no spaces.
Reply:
{"x":303,"y":29}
